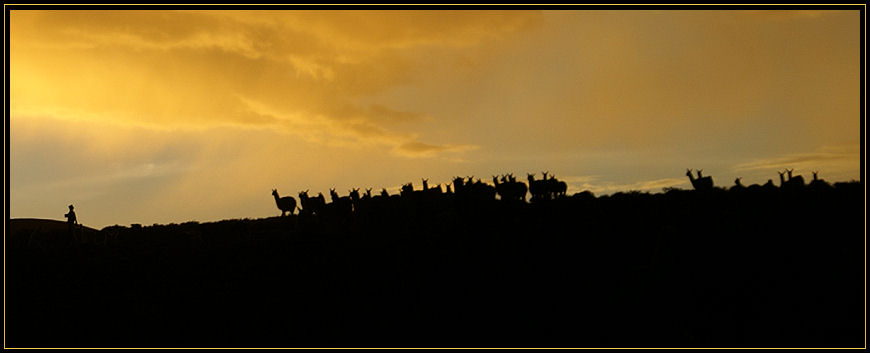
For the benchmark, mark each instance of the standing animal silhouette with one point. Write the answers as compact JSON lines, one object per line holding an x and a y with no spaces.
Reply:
{"x":556,"y":187}
{"x":797,"y":181}
{"x":702,"y":182}
{"x":536,"y":188}
{"x":285,"y":204}
{"x":818,"y":183}
{"x":311,"y":205}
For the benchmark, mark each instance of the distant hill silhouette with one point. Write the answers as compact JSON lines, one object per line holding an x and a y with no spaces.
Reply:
{"x":39,"y":225}
{"x":42,"y":233}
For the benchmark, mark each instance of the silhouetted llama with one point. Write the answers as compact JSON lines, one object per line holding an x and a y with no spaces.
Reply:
{"x":509,"y":188}
{"x":431,"y":193}
{"x":311,"y":205}
{"x":473,"y":191}
{"x":737,"y":185}
{"x":285,"y":204}
{"x":355,"y":198}
{"x":537,"y":188}
{"x":797,"y":181}
{"x":754,"y":188}
{"x":341,"y":206}
{"x":702,"y":183}
{"x":819,"y":183}
{"x":557,"y":187}
{"x":547,"y":188}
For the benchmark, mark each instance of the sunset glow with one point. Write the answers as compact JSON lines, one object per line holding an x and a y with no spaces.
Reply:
{"x":172,"y":116}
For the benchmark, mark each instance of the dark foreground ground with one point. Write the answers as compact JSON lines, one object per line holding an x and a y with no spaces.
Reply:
{"x":681,"y":269}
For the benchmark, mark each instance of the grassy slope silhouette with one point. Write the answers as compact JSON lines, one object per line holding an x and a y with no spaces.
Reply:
{"x":761,"y":268}
{"x":39,"y":225}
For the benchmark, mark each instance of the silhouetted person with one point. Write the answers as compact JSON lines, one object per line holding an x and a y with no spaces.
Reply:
{"x":71,"y":219}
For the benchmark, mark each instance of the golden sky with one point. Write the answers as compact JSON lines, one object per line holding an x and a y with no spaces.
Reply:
{"x":169,"y":116}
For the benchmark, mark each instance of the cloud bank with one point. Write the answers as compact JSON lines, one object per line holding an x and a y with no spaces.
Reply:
{"x":305,"y":73}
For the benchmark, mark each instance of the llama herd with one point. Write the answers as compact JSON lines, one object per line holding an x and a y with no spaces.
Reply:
{"x":464,"y":190}
{"x":505,"y":187}
{"x":786,"y":182}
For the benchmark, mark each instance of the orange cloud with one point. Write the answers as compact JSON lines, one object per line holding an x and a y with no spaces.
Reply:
{"x":414,"y":149}
{"x":194,"y":69}
{"x":837,"y":162}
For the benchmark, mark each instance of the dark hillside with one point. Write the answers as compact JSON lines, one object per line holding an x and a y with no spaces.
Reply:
{"x":743,"y":268}
{"x":44,"y":233}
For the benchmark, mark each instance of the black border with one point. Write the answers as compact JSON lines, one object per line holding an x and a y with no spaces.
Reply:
{"x":10,"y":7}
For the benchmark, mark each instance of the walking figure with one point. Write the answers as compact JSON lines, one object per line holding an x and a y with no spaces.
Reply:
{"x":71,"y":221}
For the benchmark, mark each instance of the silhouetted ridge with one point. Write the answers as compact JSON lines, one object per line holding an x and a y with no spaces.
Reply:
{"x":464,"y":266}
